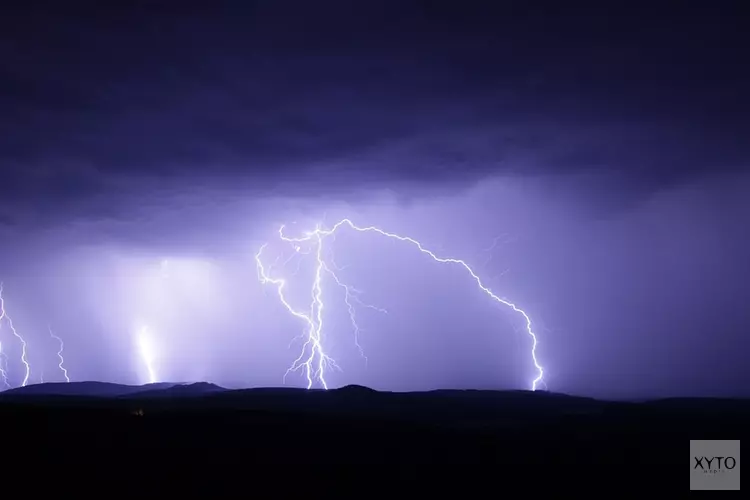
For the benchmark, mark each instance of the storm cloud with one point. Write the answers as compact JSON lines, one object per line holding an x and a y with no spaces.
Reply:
{"x":610,"y":151}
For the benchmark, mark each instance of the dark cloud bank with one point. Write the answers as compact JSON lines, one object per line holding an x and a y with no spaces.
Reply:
{"x":100,"y":99}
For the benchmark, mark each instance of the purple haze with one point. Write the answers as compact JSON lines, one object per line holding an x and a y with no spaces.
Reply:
{"x":628,"y":305}
{"x":614,"y":184}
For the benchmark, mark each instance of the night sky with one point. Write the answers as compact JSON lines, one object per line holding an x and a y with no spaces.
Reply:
{"x":605,"y":152}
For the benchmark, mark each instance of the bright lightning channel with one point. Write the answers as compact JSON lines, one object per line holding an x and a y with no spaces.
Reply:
{"x":4,"y":315}
{"x":146,"y":348}
{"x":313,"y":359}
{"x":61,"y":365}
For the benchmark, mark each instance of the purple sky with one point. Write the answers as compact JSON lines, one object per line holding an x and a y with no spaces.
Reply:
{"x":606,"y":155}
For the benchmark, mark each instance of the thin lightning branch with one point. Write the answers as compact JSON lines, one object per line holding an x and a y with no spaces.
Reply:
{"x":300,"y":255}
{"x":333,"y":261}
{"x":4,"y":367}
{"x":351,"y":294}
{"x":503,"y":273}
{"x":314,"y":318}
{"x":4,"y":315}
{"x":495,"y":242}
{"x":490,"y":254}
{"x":60,"y":354}
{"x":299,"y":263}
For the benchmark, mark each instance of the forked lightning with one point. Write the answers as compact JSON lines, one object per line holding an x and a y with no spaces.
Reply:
{"x":9,"y":322}
{"x":314,"y":359}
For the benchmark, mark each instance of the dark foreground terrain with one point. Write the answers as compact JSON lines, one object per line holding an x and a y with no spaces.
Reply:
{"x":180,"y":434}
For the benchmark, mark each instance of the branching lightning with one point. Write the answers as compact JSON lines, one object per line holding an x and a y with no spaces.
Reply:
{"x":61,"y":366}
{"x":4,"y":315}
{"x":313,"y":322}
{"x":351,"y":294}
{"x":313,"y":359}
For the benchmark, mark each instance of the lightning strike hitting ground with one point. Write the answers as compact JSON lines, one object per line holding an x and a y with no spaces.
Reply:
{"x":146,"y":349}
{"x":4,"y":368}
{"x":60,"y":354}
{"x":4,"y":315}
{"x":312,"y":320}
{"x":313,"y":358}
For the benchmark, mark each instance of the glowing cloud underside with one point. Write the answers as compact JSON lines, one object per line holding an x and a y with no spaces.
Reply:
{"x":9,"y":322}
{"x":313,"y":359}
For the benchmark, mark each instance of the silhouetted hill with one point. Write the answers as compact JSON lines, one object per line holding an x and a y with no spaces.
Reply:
{"x":178,"y":390}
{"x":93,"y":389}
{"x":355,"y":389}
{"x":203,"y":427}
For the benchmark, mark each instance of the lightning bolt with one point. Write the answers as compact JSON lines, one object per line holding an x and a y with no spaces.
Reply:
{"x":313,"y":358}
{"x":506,"y":238}
{"x":4,"y":315}
{"x":147,"y":353}
{"x":60,"y":354}
{"x":313,"y":322}
{"x":4,"y":367}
